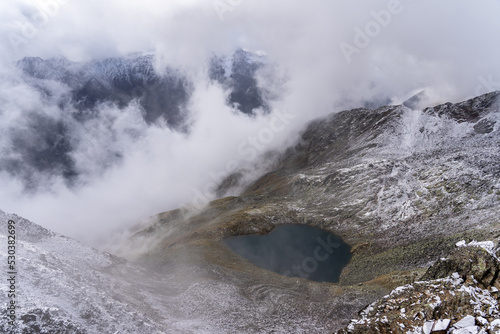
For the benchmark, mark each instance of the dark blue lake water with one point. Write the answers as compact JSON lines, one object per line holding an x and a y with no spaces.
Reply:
{"x":296,"y":251}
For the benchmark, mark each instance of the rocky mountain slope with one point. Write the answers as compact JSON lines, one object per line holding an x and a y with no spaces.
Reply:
{"x":402,"y":187}
{"x":64,"y":286}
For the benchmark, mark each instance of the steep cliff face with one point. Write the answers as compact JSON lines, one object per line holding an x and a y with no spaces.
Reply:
{"x":400,"y":186}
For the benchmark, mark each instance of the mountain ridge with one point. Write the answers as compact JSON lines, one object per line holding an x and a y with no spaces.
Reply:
{"x":80,"y":97}
{"x":402,"y":187}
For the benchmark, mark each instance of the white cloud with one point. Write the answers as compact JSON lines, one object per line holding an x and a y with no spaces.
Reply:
{"x":445,"y":46}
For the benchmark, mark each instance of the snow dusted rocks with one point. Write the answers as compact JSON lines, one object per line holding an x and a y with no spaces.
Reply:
{"x":66,"y":287}
{"x":468,"y":325}
{"x":431,"y":307}
{"x":460,"y":302}
{"x":438,"y":326}
{"x":476,"y":262}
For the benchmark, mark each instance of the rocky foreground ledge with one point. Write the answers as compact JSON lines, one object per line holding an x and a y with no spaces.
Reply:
{"x":458,"y":294}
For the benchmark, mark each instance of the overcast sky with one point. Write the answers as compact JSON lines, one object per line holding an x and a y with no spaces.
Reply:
{"x":334,"y":54}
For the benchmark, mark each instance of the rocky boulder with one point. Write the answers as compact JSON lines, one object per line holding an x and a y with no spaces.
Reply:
{"x":477,"y":262}
{"x":458,"y":294}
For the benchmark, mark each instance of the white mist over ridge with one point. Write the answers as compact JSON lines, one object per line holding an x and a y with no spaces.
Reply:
{"x":447,"y":47}
{"x":161,"y":170}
